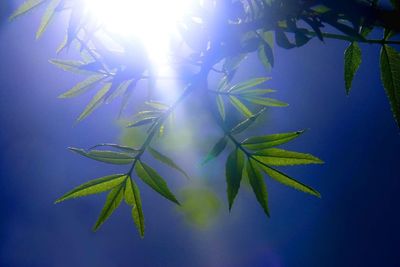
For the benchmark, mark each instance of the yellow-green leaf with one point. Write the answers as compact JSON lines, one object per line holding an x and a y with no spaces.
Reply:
{"x":288,"y":181}
{"x":47,"y":17}
{"x":106,"y":156}
{"x":26,"y":7}
{"x":267,"y":141}
{"x":113,"y":200}
{"x":132,"y":198}
{"x":94,"y":187}
{"x":154,"y":180}
{"x":280,"y":157}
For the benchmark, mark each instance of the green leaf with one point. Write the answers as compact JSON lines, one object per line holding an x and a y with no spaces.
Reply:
{"x":243,"y":125}
{"x":390,"y":75}
{"x":267,"y":141}
{"x":142,"y":122}
{"x":221,"y":106}
{"x":94,"y":187}
{"x":265,"y":52}
{"x":352,"y":61}
{"x":83,"y":86}
{"x":113,"y":200}
{"x":234,"y":169}
{"x":288,"y":181}
{"x":280,"y":157}
{"x":265,"y":101}
{"x":111,"y":157}
{"x":248,"y":84}
{"x":154,"y":180}
{"x":74,"y":66}
{"x":164,"y":159}
{"x":96,"y":101}
{"x":132,"y":198}
{"x":126,"y":149}
{"x":47,"y":17}
{"x":26,"y":7}
{"x":254,"y":92}
{"x":258,"y":185}
{"x":282,"y":40}
{"x":216,"y":150}
{"x":158,"y":105}
{"x":240,"y":106}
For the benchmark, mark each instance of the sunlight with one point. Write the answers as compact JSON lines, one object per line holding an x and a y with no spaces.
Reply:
{"x":152,"y":21}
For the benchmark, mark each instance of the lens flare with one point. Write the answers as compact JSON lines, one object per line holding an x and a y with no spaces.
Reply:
{"x":151,"y":21}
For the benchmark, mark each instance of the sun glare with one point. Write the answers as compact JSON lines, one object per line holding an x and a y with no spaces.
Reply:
{"x":151,"y":21}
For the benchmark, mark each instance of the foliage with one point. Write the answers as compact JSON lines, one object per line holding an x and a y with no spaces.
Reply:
{"x":238,"y":29}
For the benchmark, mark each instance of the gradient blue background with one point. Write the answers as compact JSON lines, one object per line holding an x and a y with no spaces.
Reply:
{"x":354,"y":224}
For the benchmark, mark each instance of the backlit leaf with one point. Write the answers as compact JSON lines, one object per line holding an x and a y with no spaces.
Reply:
{"x":94,"y":187}
{"x":83,"y":86}
{"x":240,"y":106}
{"x":154,"y":180}
{"x":258,"y":185}
{"x":280,"y":157}
{"x":267,"y":141}
{"x":132,"y":198}
{"x":97,"y":100}
{"x":111,"y":157}
{"x":288,"y":181}
{"x":113,"y":200}
{"x":221,"y":106}
{"x":26,"y":7}
{"x":47,"y":17}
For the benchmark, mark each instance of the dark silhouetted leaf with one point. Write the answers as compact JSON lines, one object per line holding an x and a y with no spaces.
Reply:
{"x":233,"y":170}
{"x":390,"y":74}
{"x":352,"y":61}
{"x":94,"y":187}
{"x":216,"y":150}
{"x":154,"y":180}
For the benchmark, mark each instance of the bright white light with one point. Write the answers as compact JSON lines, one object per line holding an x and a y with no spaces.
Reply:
{"x":152,"y":21}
